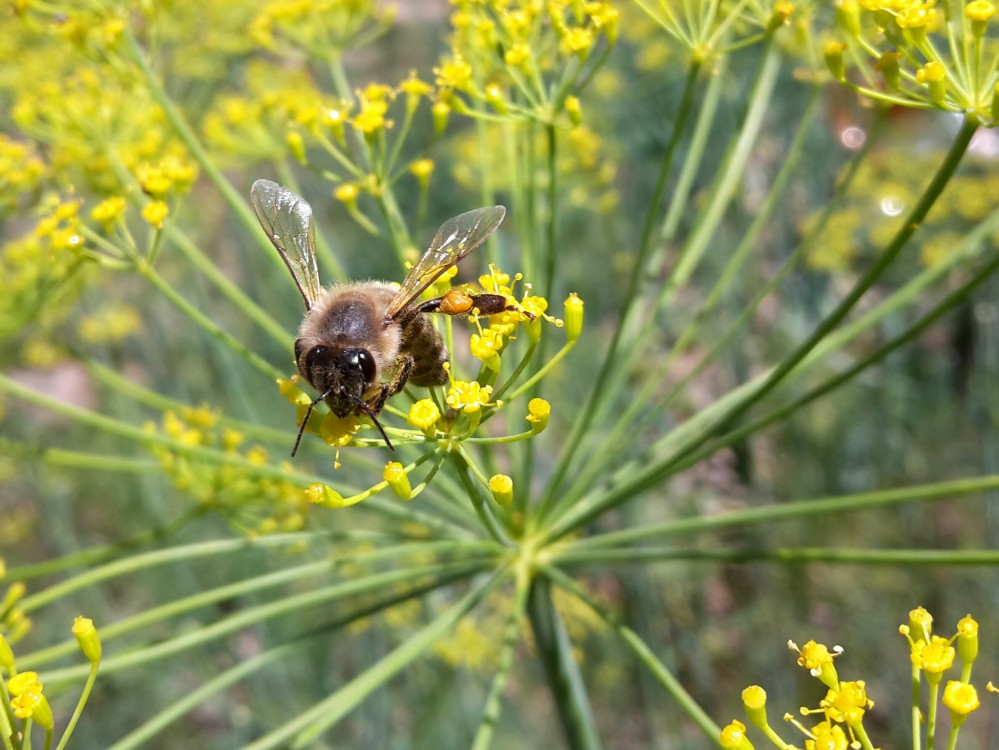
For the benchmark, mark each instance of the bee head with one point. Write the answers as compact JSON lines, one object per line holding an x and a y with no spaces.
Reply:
{"x":344,"y":374}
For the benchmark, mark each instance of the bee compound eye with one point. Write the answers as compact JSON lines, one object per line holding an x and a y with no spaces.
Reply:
{"x":367,"y":364}
{"x":315,"y":354}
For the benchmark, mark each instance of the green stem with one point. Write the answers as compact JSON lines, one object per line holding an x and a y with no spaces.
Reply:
{"x":645,"y":655}
{"x":866,"y":281}
{"x":905,"y":295}
{"x":308,"y":724}
{"x":494,"y":701}
{"x":654,"y":471}
{"x":582,"y":423}
{"x":78,"y":711}
{"x":186,"y":133}
{"x":141,"y":736}
{"x":890,"y":557}
{"x":251,"y":616}
{"x":931,"y":714}
{"x":137,"y":434}
{"x":793,"y":510}
{"x":564,"y":679}
{"x":208,"y":325}
{"x":638,"y":411}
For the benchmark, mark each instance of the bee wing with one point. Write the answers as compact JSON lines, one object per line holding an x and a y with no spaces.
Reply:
{"x":287,"y":220}
{"x":455,"y":239}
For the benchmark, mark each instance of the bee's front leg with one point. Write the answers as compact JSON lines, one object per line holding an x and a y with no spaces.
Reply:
{"x":388,"y":390}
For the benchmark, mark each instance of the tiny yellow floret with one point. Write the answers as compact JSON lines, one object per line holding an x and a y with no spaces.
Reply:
{"x":574,"y":109}
{"x":933,"y":658}
{"x":573,"y":317}
{"x":961,"y":699}
{"x":502,"y":488}
{"x":296,"y":145}
{"x":423,"y":414}
{"x":539,"y":411}
{"x":347,"y":193}
{"x":494,"y":95}
{"x":967,"y":639}
{"x":468,"y":396}
{"x":754,"y":700}
{"x":155,"y":212}
{"x":86,"y":635}
{"x":397,"y":478}
{"x":6,"y":655}
{"x":322,"y":494}
{"x":440,"y":112}
{"x":920,"y":623}
{"x":979,"y":10}
{"x":109,"y":210}
{"x":733,"y":737}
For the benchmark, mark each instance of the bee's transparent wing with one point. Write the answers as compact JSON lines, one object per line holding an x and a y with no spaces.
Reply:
{"x":287,"y":220}
{"x":455,"y":239}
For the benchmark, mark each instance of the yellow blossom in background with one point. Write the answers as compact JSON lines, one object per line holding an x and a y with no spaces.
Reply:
{"x":155,"y":212}
{"x":111,"y":324}
{"x":422,"y":169}
{"x":109,"y":210}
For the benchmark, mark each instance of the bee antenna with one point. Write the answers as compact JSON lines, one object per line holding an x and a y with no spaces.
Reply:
{"x":305,"y":420}
{"x":363,"y":405}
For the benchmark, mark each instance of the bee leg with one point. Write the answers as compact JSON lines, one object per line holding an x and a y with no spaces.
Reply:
{"x":390,"y":389}
{"x":458,"y":302}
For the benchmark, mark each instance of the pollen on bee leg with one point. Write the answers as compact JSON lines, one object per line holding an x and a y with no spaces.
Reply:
{"x":456,"y":302}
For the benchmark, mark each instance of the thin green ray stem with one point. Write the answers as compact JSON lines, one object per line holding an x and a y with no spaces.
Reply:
{"x":795,"y":510}
{"x":143,"y":734}
{"x":252,"y":616}
{"x":654,"y":471}
{"x":582,"y":423}
{"x":638,"y":411}
{"x":564,"y":678}
{"x":641,"y":649}
{"x":494,"y":700}
{"x":185,"y":132}
{"x":207,"y":324}
{"x":311,"y":722}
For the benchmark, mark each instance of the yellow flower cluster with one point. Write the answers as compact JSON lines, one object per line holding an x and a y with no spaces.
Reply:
{"x":20,"y":172}
{"x":903,"y":52}
{"x":846,"y":703}
{"x":24,"y":699}
{"x":323,"y":29}
{"x":498,"y":46}
{"x":224,"y":481}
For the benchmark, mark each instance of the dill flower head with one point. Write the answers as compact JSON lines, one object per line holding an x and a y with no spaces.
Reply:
{"x":923,"y":61}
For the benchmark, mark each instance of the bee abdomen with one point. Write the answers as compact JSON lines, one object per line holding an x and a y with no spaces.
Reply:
{"x":426,"y":348}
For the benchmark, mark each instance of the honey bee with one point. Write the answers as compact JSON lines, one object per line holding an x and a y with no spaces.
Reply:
{"x":357,"y":333}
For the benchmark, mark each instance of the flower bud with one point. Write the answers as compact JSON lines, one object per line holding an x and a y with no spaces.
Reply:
{"x":440,"y":113}
{"x":502,"y":488}
{"x":87,"y":637}
{"x":321,"y":494}
{"x":967,"y":639}
{"x":397,"y":478}
{"x":573,"y":317}
{"x":539,"y":412}
{"x":833,"y":54}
